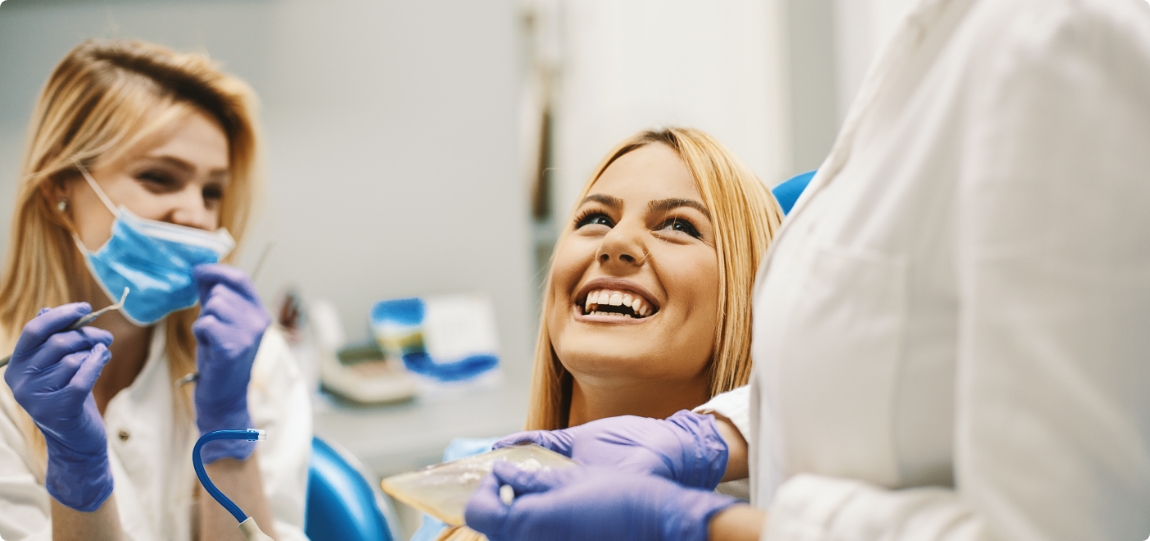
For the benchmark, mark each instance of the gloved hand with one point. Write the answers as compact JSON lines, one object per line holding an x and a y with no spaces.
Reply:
{"x":686,"y":448}
{"x":51,"y":375}
{"x":228,"y":333}
{"x":590,"y":504}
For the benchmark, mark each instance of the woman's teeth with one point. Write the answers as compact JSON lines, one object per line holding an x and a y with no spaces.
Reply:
{"x":606,"y":302}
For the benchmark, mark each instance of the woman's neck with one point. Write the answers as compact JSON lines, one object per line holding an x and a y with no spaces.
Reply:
{"x":130,"y":347}
{"x":593,"y":399}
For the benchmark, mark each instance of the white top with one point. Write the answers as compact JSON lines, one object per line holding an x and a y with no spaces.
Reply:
{"x":150,"y":450}
{"x":952,"y":330}
{"x":735,"y":406}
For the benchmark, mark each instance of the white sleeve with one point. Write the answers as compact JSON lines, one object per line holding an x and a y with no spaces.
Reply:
{"x":1052,"y":428}
{"x":280,"y":404}
{"x":734,"y":405}
{"x":24,"y":502}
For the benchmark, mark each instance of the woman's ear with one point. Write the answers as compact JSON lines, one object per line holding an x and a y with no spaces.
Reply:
{"x":58,"y":191}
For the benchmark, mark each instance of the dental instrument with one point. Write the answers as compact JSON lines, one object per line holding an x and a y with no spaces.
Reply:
{"x":84,"y":320}
{"x":248,"y":527}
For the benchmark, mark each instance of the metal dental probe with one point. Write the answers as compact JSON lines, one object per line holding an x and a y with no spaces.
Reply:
{"x":83,"y":320}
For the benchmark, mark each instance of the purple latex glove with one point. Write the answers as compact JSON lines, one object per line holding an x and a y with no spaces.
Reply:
{"x":685,"y":448}
{"x":51,"y":375}
{"x":590,"y":504}
{"x":228,"y":333}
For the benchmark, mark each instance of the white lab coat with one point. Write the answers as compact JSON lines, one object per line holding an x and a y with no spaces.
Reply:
{"x":952,"y":330}
{"x":150,"y":451}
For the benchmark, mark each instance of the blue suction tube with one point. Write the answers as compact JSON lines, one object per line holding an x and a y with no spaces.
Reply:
{"x":249,"y":434}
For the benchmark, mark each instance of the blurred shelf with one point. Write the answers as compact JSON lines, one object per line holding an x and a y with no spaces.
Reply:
{"x":396,"y":438}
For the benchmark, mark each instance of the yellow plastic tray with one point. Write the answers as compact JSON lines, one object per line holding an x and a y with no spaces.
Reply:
{"x":442,"y":490}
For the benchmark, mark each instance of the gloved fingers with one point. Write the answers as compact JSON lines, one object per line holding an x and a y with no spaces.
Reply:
{"x":90,"y":368}
{"x":209,"y":275}
{"x":60,"y":345}
{"x":48,"y":323}
{"x":64,"y":343}
{"x":57,"y":376}
{"x":529,"y":482}
{"x":560,"y":441}
{"x":485,"y":512}
{"x":235,"y":309}
{"x":96,"y":335}
{"x":224,"y":303}
{"x":207,"y":327}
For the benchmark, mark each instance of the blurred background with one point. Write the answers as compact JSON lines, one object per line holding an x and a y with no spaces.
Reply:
{"x":423,"y":147}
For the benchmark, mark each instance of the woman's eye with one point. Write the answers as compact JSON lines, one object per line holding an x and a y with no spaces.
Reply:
{"x":157,"y":178}
{"x":595,"y":218}
{"x":213,"y":193}
{"x":680,"y":225}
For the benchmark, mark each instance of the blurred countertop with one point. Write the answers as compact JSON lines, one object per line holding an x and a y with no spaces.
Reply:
{"x":395,"y":438}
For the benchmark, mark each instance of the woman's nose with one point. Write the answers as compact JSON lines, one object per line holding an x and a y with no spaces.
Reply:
{"x":623,"y":245}
{"x":190,"y":210}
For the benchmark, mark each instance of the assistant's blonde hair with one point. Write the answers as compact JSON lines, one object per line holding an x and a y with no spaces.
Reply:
{"x":103,"y":99}
{"x":745,"y":216}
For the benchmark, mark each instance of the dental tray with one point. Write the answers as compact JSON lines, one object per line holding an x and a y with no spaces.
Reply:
{"x":442,"y":490}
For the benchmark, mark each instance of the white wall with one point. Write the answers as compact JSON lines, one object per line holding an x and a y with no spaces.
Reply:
{"x":628,"y":65}
{"x":390,"y":129}
{"x":770,"y":78}
{"x":861,"y":28}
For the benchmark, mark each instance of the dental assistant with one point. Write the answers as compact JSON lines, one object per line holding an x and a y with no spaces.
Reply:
{"x":950,"y":332}
{"x":139,"y":173}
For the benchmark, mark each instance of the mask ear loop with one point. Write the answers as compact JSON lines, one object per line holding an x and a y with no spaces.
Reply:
{"x":96,"y":188}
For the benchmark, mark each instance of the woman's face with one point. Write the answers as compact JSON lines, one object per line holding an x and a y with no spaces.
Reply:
{"x":635,"y":286}
{"x":177,"y":176}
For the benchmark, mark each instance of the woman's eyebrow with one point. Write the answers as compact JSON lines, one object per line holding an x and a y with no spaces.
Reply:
{"x":223,"y":176}
{"x":665,"y":205}
{"x":613,"y":202}
{"x":217,"y":175}
{"x":171,"y":161}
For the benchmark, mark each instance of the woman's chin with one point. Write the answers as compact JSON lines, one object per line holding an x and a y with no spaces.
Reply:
{"x":601,"y":364}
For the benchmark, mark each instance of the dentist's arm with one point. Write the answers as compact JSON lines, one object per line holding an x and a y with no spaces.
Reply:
{"x":737,"y":465}
{"x":228,"y":333}
{"x":590,"y":504}
{"x":51,"y":376}
{"x":103,"y":524}
{"x":738,"y":523}
{"x":689,"y":448}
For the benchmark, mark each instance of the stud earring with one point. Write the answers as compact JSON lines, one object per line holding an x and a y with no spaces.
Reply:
{"x":62,"y":205}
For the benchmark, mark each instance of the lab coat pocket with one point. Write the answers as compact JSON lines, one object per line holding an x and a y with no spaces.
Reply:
{"x":842,"y":359}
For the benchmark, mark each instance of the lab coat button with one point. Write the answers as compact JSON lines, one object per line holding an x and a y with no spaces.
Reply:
{"x":124,"y":435}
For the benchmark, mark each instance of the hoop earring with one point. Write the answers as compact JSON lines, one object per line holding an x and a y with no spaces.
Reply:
{"x":62,"y":205}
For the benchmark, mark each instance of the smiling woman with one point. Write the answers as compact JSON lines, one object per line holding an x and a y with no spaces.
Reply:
{"x":647,"y":308}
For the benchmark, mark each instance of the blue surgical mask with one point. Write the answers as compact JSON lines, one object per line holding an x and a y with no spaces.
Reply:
{"x":153,"y":259}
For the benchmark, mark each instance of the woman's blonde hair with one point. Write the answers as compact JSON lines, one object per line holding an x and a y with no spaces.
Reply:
{"x":103,"y":99}
{"x":745,"y":216}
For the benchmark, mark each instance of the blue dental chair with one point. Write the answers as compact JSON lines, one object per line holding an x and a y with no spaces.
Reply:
{"x":789,"y":191}
{"x":342,"y":504}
